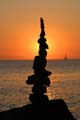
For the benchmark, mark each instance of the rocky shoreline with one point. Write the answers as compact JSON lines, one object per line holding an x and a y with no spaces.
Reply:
{"x":53,"y":109}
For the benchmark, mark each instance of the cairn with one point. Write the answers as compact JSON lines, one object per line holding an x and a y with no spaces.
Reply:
{"x":40,"y":79}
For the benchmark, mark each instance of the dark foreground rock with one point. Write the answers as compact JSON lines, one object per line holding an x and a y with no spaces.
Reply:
{"x":53,"y":110}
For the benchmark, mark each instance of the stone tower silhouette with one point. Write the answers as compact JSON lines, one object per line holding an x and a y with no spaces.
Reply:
{"x":40,"y":79}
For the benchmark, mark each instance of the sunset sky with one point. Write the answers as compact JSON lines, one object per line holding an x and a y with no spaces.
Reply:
{"x":20,"y":28}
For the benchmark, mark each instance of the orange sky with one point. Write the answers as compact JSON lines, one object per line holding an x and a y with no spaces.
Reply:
{"x":20,"y":28}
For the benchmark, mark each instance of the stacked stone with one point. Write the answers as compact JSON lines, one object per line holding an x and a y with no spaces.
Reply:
{"x":40,"y":77}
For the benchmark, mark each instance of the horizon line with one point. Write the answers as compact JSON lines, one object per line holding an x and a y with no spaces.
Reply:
{"x":33,"y":59}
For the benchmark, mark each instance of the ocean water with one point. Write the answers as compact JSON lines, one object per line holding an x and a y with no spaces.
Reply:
{"x":65,"y":83}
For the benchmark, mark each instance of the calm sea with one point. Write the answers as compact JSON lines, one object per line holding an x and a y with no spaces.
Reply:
{"x":65,"y":83}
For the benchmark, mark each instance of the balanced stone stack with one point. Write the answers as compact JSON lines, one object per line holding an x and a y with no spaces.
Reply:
{"x":40,"y":79}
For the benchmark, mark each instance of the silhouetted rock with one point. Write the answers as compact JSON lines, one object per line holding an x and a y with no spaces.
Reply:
{"x":39,"y":63}
{"x":42,"y":53}
{"x":34,"y":79}
{"x":51,"y":110}
{"x":38,"y":99}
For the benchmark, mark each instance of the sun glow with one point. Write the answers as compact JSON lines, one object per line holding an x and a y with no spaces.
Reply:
{"x":35,"y":46}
